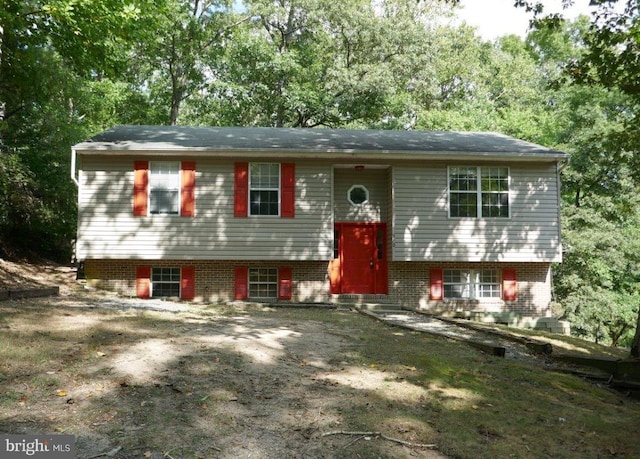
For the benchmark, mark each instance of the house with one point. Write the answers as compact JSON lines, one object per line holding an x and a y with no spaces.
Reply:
{"x":441,"y":221}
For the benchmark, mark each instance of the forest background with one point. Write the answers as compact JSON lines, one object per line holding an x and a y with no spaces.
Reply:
{"x":72,"y":68}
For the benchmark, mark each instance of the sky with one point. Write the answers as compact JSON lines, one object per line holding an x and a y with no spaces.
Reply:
{"x":494,"y":18}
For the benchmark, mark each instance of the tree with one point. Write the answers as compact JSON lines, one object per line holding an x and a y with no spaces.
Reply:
{"x":606,"y":175}
{"x":598,"y":280}
{"x":181,"y":55}
{"x":312,"y":63}
{"x":50,"y":52}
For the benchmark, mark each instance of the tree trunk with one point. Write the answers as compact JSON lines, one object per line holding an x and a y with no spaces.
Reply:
{"x":635,"y":345}
{"x":1,"y":101}
{"x":175,"y":108}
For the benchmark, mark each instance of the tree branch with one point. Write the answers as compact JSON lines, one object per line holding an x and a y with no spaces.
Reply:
{"x":224,"y":30}
{"x":383,"y":436}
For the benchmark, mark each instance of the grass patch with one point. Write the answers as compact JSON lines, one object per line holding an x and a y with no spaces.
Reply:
{"x":563,"y":344}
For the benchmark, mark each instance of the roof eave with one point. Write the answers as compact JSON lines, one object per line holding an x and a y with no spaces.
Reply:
{"x":111,"y":150}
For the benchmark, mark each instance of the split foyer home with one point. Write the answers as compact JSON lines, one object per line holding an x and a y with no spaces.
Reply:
{"x":441,"y":221}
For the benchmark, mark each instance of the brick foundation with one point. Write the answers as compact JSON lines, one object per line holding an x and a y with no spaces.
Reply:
{"x":214,"y":281}
{"x":408,"y":283}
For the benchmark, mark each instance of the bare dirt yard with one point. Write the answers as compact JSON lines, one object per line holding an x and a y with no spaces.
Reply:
{"x":156,"y":379}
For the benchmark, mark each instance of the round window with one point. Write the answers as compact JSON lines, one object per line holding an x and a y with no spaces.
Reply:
{"x":358,"y":195}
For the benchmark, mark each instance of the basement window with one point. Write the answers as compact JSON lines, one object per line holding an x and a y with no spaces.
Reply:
{"x":263,"y":283}
{"x":471,"y":284}
{"x":165,"y":282}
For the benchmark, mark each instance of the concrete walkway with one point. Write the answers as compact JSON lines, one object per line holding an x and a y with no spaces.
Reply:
{"x":151,"y":304}
{"x":487,"y":342}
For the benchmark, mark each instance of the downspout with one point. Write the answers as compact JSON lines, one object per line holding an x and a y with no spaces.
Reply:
{"x":80,"y":266}
{"x":560,"y":165}
{"x":73,"y":167}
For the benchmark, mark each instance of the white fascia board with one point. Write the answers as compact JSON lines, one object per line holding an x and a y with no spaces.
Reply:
{"x":378,"y":155}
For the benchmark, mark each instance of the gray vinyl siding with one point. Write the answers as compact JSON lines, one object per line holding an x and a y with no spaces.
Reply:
{"x":107,"y":228}
{"x":411,"y":197}
{"x":423,"y":230}
{"x":375,"y":181}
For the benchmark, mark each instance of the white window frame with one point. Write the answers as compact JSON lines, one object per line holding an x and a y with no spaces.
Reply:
{"x":479,"y":192}
{"x":154,"y":270}
{"x":153,"y":185}
{"x":253,"y":187}
{"x":471,"y":281}
{"x":264,"y":279}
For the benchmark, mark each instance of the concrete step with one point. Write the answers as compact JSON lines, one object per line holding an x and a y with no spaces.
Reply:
{"x":380,"y":307}
{"x":366,"y":301}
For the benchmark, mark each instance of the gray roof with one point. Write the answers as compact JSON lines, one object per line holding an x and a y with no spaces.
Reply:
{"x":303,"y":141}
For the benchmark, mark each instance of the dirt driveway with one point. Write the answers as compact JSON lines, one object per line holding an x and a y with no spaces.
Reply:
{"x":167,"y":380}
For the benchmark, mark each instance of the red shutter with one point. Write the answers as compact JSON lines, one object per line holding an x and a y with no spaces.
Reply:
{"x":436,"y":290}
{"x":188,"y":189}
{"x":288,"y":190}
{"x":334,"y":276}
{"x":509,"y":285}
{"x":241,"y":284}
{"x":188,"y":283}
{"x":143,"y":281}
{"x":241,"y":194}
{"x":140,"y":188}
{"x":284,"y":283}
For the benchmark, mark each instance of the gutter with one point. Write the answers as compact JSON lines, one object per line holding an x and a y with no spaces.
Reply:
{"x":327,"y":154}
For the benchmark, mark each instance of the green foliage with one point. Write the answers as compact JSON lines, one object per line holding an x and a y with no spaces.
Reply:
{"x":598,"y":282}
{"x":320,"y":63}
{"x":188,"y":38}
{"x":53,"y":57}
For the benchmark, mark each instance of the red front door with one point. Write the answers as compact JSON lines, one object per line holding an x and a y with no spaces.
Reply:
{"x":362,"y":266}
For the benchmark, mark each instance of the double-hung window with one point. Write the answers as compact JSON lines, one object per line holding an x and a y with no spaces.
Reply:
{"x":478,"y":191}
{"x":165,"y":282}
{"x":264,"y":189}
{"x":263,"y":283}
{"x":471,"y":284}
{"x":164,"y":187}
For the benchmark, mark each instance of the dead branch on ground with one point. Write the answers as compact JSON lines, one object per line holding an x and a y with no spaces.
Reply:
{"x":383,"y":436}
